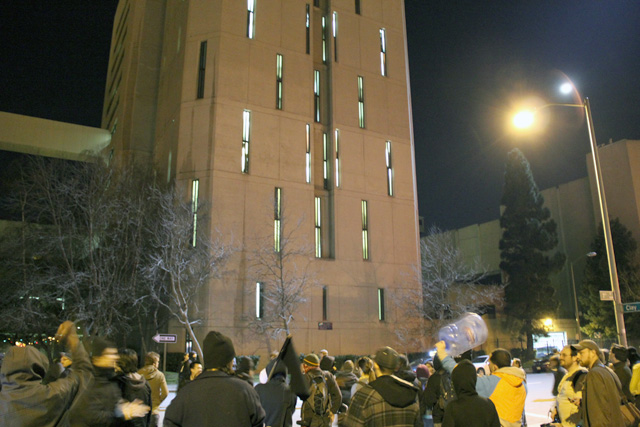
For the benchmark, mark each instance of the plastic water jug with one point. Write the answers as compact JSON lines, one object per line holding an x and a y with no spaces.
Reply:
{"x":466,"y":333}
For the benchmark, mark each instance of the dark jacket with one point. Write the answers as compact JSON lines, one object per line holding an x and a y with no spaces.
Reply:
{"x":345,"y":381}
{"x":134,"y":386}
{"x":468,"y":409}
{"x":600,"y":404}
{"x":185,"y":373}
{"x":387,"y":401}
{"x":215,"y":399}
{"x":24,"y":400}
{"x":433,"y":391}
{"x":96,"y":406}
{"x":624,"y":375}
{"x":558,"y":374}
{"x":278,"y":401}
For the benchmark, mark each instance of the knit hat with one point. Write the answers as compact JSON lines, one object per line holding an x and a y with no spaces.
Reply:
{"x":217,"y":350}
{"x":327,"y":363}
{"x":311,"y":360}
{"x":99,"y":344}
{"x":422,"y":371}
{"x":387,"y":358}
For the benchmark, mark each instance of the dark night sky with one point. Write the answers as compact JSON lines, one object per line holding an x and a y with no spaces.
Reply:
{"x":469,"y":60}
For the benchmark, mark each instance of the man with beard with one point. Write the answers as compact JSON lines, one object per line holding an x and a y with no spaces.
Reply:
{"x":570,"y":389}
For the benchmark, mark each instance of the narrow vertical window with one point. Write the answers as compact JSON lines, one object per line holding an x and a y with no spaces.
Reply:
{"x":279,"y":81}
{"x":324,"y":40}
{"x":251,"y":18}
{"x":318,"y":222}
{"x":361,"y":102}
{"x":325,"y":160}
{"x":335,"y":36}
{"x":308,"y":155}
{"x":365,"y":230}
{"x":324,"y":303}
{"x":195,"y":189}
{"x":337,"y":138}
{"x":277,"y":219}
{"x":316,"y":94}
{"x":246,"y":137}
{"x":202,"y":63}
{"x":259,"y":300}
{"x":308,"y":30}
{"x":357,"y":7}
{"x":169,"y":168}
{"x":389,"y":161}
{"x":383,"y":52}
{"x":381,"y":315}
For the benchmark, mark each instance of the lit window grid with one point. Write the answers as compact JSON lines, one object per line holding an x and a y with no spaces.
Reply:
{"x":318,"y":226}
{"x":246,"y":137}
{"x":361,"y":102}
{"x":325,"y":160}
{"x":335,"y":36}
{"x":277,"y":219}
{"x":195,"y":190}
{"x":389,"y":162}
{"x":324,"y":40}
{"x":316,"y":94}
{"x":279,"y":65}
{"x":251,"y":23}
{"x":337,"y":139}
{"x":365,"y":230}
{"x":308,"y":30}
{"x":308,"y":155}
{"x":383,"y":51}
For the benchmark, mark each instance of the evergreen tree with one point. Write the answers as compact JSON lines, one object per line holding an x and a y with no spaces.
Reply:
{"x":599,"y":318}
{"x":528,"y":235}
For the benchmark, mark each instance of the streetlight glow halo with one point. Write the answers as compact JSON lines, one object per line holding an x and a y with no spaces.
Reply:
{"x":523,"y":119}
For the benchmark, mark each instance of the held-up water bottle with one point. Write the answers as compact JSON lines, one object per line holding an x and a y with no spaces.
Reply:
{"x":466,"y":333}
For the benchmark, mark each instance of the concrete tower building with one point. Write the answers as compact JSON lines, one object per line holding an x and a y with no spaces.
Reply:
{"x":285,"y":116}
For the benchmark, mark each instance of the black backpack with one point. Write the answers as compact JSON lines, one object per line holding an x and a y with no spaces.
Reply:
{"x":446,"y":390}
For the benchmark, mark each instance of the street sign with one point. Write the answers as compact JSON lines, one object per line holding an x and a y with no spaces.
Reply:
{"x":165,"y":338}
{"x":606,"y":295}
{"x":631,"y":307}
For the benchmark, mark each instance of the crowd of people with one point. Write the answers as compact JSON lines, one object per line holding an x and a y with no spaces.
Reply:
{"x":106,"y":388}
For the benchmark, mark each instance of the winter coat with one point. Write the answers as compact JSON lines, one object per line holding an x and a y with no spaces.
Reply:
{"x":345,"y":381}
{"x":133,"y":386}
{"x":600,"y":404}
{"x":158,"y":384}
{"x":624,"y":375}
{"x":433,"y":391}
{"x":387,"y":401}
{"x":278,"y":401}
{"x":25,"y":401}
{"x":335,"y":396}
{"x":468,"y":409}
{"x":215,"y":399}
{"x":96,"y":406}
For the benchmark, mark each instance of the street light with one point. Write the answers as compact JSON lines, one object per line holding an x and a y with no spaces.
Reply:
{"x":575,"y":295}
{"x":525,"y":119}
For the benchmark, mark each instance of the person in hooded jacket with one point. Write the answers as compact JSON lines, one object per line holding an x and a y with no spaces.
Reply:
{"x":468,"y":409}
{"x":157,"y":382}
{"x":386,"y":401}
{"x":431,"y":396}
{"x":276,"y":397}
{"x":506,"y":386}
{"x":25,"y":400}
{"x":133,"y":386}
{"x":345,"y":378}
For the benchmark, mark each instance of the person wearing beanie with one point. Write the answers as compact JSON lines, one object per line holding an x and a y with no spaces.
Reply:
{"x":386,"y":401}
{"x":468,"y":409}
{"x":216,"y":398}
{"x":316,"y":377}
{"x":276,"y":397}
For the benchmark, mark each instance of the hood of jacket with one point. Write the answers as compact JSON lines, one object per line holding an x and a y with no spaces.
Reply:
{"x":21,"y":365}
{"x":464,"y":379}
{"x":133,"y":380}
{"x":395,"y":391}
{"x":512,"y":375}
{"x":149,"y":372}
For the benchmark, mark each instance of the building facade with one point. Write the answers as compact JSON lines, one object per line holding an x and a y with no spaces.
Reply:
{"x":285,"y":116}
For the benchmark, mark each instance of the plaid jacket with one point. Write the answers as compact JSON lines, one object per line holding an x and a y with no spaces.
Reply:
{"x":368,"y":407}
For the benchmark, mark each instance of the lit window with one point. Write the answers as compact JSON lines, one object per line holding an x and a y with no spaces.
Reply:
{"x":383,"y":51}
{"x":251,"y":18}
{"x":195,"y":189}
{"x":365,"y":230}
{"x":324,"y":303}
{"x":316,"y":94}
{"x":325,"y":160}
{"x":324,"y":40}
{"x":259,"y":300}
{"x":318,"y":222}
{"x":337,"y":138}
{"x":201,"y":68}
{"x":308,"y":155}
{"x":361,"y":102}
{"x":277,"y":219}
{"x":389,"y":161}
{"x":246,"y":137}
{"x":308,"y":30}
{"x":335,"y":36}
{"x":279,"y":81}
{"x":381,"y":315}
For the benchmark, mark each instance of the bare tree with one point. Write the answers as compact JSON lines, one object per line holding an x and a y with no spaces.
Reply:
{"x":178,"y":267}
{"x":449,"y":288}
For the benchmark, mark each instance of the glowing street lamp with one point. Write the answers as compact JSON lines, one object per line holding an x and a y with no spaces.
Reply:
{"x":525,"y":119}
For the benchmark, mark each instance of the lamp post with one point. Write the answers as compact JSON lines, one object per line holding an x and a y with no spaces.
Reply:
{"x":575,"y":295}
{"x":525,"y":119}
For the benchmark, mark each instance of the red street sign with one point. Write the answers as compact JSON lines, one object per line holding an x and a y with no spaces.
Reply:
{"x":165,"y":338}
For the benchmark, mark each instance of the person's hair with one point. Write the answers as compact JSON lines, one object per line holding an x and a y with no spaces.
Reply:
{"x":128,"y":361}
{"x":193,"y":365}
{"x":193,"y":355}
{"x":633,"y":355}
{"x":500,"y":357}
{"x":573,"y":351}
{"x":516,"y":361}
{"x":403,"y":362}
{"x":620,"y":352}
{"x":151,"y":358}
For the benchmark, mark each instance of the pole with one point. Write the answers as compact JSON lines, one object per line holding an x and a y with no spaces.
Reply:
{"x":164,"y":358}
{"x":613,"y":272}
{"x":575,"y":300}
